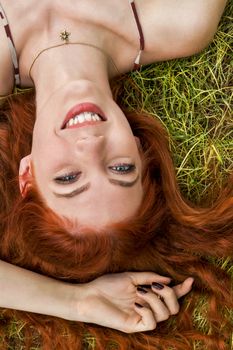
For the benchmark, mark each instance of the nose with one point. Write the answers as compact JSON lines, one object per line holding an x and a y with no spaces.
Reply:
{"x":90,"y":145}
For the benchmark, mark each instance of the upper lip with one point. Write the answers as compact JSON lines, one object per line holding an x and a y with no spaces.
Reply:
{"x":80,"y":108}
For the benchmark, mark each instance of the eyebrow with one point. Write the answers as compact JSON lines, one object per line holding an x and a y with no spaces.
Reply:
{"x":87,"y":186}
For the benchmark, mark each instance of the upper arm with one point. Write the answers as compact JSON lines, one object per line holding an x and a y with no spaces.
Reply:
{"x":178,"y":28}
{"x":6,"y":68}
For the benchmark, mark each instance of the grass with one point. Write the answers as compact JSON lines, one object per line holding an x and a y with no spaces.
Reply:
{"x":193,"y":98}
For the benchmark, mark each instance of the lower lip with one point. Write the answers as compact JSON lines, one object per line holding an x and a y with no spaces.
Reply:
{"x":81,"y":108}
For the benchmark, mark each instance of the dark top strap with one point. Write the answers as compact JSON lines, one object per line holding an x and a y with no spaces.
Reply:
{"x":137,"y":64}
{"x":11,"y":45}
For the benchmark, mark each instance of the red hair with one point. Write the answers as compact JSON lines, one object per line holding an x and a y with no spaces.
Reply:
{"x":168,"y":236}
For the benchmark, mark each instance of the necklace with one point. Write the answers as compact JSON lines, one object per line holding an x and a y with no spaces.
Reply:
{"x":64,"y":36}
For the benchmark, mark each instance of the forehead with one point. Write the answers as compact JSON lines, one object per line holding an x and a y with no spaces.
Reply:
{"x":101,"y":205}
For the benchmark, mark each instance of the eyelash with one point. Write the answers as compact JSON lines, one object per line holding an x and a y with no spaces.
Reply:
{"x":67,"y":178}
{"x":129,"y":168}
{"x":72,"y":177}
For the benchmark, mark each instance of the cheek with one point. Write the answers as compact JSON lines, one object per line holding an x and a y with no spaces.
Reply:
{"x":128,"y":145}
{"x":47,"y":154}
{"x":122,"y":135}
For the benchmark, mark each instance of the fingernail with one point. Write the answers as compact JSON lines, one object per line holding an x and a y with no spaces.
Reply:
{"x":142,"y":290}
{"x":157,"y":285}
{"x":138,"y":305}
{"x":145,"y":286}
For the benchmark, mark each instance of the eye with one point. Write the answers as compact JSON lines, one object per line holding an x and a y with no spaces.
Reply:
{"x":123,"y":168}
{"x":67,"y":178}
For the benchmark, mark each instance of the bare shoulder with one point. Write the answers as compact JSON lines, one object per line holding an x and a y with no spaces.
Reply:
{"x":178,"y":28}
{"x":6,"y":68}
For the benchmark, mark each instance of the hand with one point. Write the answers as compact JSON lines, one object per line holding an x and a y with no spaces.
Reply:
{"x":110,"y":301}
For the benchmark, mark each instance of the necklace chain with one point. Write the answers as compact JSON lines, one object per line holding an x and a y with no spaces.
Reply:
{"x":65,"y":37}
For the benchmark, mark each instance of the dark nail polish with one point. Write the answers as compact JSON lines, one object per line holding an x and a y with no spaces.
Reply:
{"x":138,"y":305}
{"x":142,"y":290}
{"x":157,"y":285}
{"x":145,"y":286}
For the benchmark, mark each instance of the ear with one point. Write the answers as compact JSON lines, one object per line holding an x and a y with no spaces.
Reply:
{"x":25,"y":174}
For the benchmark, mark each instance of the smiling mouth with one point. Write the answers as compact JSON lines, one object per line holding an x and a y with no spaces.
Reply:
{"x":83,"y":114}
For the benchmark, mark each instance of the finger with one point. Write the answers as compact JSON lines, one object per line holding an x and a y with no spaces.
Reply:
{"x":159,"y":308}
{"x":147,"y":321}
{"x":169,"y":297}
{"x":148,"y":278}
{"x":183,"y":288}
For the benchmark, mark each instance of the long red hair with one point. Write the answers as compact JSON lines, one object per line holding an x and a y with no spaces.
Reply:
{"x":167,"y":236}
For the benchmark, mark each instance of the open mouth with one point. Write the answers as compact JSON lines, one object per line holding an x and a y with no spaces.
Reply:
{"x":83,"y":114}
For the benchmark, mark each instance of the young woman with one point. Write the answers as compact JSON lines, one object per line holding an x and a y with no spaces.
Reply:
{"x":81,"y":137}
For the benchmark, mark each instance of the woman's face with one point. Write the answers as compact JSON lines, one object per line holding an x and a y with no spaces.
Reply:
{"x":86,"y":169}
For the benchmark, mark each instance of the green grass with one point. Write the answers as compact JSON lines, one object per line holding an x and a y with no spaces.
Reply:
{"x":193,"y":98}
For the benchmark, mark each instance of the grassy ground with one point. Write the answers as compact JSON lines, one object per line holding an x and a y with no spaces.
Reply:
{"x":193,"y":98}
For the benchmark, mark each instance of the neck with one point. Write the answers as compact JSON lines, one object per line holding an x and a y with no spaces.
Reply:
{"x":64,"y":64}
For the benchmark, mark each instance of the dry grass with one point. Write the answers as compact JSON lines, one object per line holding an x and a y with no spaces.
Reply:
{"x":193,"y":98}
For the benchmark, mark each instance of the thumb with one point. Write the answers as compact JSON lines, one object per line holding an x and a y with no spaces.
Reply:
{"x":184,"y":287}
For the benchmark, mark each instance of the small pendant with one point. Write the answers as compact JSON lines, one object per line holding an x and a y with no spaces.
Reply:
{"x":65,"y":36}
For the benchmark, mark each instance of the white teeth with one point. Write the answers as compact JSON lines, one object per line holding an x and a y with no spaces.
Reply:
{"x":96,"y":117}
{"x":88,"y":117}
{"x":82,"y":117}
{"x":86,"y":114}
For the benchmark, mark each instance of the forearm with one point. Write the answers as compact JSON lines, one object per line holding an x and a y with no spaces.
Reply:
{"x":24,"y":290}
{"x":108,"y":301}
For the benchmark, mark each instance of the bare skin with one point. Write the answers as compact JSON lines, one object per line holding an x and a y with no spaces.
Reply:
{"x":76,"y":74}
{"x":108,"y":300}
{"x":172,"y":29}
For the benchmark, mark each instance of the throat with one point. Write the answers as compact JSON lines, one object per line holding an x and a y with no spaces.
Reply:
{"x":67,"y":65}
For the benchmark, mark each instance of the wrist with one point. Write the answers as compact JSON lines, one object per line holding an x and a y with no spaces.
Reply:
{"x":75,"y":299}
